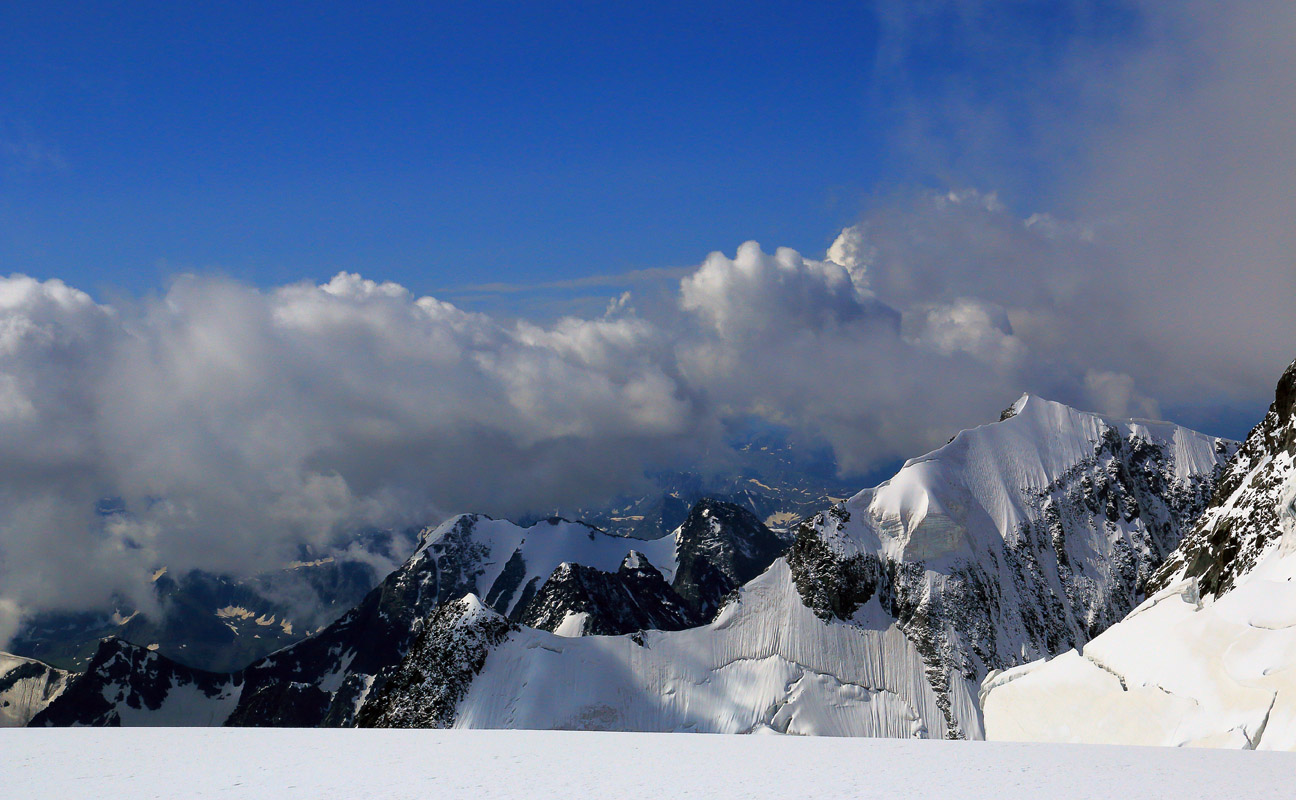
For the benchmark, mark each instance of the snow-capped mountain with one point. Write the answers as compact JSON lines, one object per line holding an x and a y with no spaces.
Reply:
{"x":1210,"y":659}
{"x":1017,"y":539}
{"x":556,"y":574}
{"x":127,"y":685}
{"x":1014,"y":541}
{"x":26,"y":688}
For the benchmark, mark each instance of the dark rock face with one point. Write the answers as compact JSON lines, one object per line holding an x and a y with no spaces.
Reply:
{"x":1242,"y":520}
{"x":831,"y":584}
{"x":636,"y":597}
{"x":123,"y":678}
{"x":288,"y":688}
{"x":423,"y":690}
{"x":721,"y":546}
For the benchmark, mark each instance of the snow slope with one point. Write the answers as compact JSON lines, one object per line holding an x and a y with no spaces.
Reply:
{"x":1210,"y":660}
{"x":508,"y":764}
{"x":26,"y":688}
{"x":1016,"y":540}
{"x":765,"y":663}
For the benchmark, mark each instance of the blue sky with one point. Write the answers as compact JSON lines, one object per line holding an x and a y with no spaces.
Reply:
{"x":443,"y":145}
{"x":432,"y":144}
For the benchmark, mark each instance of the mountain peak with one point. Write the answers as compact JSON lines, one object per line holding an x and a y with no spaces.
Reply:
{"x":1244,"y":519}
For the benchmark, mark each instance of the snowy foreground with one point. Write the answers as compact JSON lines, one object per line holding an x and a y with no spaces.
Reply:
{"x":225,"y":763}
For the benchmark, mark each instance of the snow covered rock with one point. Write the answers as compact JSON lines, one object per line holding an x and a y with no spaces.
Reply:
{"x":425,"y":688}
{"x":126,"y":685}
{"x":26,"y":688}
{"x":720,"y":547}
{"x":1244,"y":521}
{"x":1017,"y":540}
{"x":324,"y":679}
{"x":765,"y":664}
{"x":1210,"y":659}
{"x":580,"y":601}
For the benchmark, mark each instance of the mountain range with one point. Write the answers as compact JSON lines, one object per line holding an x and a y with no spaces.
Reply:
{"x":1209,"y":659}
{"x":879,"y":615}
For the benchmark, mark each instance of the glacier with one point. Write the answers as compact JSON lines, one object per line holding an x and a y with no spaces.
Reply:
{"x":1210,"y":658}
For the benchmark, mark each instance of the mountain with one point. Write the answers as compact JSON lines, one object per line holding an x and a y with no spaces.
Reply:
{"x":26,"y":688}
{"x":1017,"y":539}
{"x":1014,"y":541}
{"x":219,"y":623}
{"x":128,"y":685}
{"x":1210,"y":658}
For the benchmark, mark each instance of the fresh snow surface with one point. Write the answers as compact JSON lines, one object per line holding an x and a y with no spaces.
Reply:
{"x":483,"y":765}
{"x":1187,"y":667}
{"x":766,"y":663}
{"x":1179,"y":670}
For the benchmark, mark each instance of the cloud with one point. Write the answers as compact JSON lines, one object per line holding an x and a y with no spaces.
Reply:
{"x":760,"y":294}
{"x":611,"y":280}
{"x":1157,"y":134}
{"x":232,"y":425}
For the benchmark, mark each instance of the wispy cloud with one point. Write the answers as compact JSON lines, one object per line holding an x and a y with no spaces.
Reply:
{"x":606,"y":280}
{"x":30,"y":156}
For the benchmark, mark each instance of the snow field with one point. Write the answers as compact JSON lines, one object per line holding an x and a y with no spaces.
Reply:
{"x":483,"y":765}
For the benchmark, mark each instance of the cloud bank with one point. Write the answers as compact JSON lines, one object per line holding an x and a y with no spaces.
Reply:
{"x":223,"y":426}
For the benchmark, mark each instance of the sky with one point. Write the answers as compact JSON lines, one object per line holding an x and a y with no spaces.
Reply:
{"x":277,"y":277}
{"x":435,"y":144}
{"x":446,"y":145}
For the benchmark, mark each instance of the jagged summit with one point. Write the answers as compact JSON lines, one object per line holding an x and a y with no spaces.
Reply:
{"x":720,"y":547}
{"x":1208,"y":659}
{"x":583,"y":601}
{"x":1015,"y":540}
